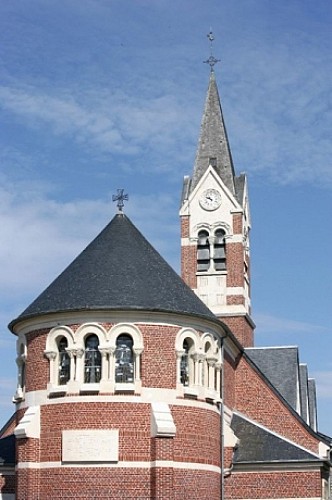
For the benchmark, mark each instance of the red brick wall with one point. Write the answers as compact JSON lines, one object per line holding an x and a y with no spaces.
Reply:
{"x":197,"y":440}
{"x":106,"y":483}
{"x":37,"y":366}
{"x":188,"y":265}
{"x":197,"y":435}
{"x":237,"y":223}
{"x":159,"y":365}
{"x":27,"y":485}
{"x":235,"y":265}
{"x":196,"y":485}
{"x":273,"y":485}
{"x":133,"y":421}
{"x":185,"y":220}
{"x":229,"y":380}
{"x":240,"y":328}
{"x":255,"y":399}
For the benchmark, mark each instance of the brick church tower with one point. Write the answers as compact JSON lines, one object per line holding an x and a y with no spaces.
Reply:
{"x":215,"y":225}
{"x":136,"y":384}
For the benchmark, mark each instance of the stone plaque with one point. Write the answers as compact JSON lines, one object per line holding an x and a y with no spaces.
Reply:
{"x":87,"y":445}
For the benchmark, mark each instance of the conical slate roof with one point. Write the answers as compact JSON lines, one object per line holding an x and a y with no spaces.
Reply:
{"x":118,"y":270}
{"x":213,"y":141}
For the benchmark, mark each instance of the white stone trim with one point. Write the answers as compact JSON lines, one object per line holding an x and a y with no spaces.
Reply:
{"x":148,"y":395}
{"x":122,"y":464}
{"x":21,"y":350}
{"x":162,"y":423}
{"x":29,"y":425}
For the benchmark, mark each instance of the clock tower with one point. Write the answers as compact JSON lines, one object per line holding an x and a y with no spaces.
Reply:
{"x":215,"y":225}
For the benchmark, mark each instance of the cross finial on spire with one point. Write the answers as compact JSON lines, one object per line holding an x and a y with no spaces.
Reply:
{"x":212,"y":60}
{"x":120,"y":198}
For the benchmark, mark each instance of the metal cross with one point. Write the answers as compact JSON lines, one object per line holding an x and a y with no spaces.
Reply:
{"x":120,"y":198}
{"x":212,"y":60}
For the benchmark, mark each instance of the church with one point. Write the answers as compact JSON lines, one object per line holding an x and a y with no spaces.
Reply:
{"x":136,"y":383}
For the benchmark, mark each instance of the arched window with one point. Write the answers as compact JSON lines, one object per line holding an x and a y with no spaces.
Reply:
{"x":124,"y":359}
{"x":64,"y":361}
{"x":219,"y":254}
{"x":203,"y":251}
{"x":205,"y":374}
{"x":92,"y":360}
{"x":186,"y":363}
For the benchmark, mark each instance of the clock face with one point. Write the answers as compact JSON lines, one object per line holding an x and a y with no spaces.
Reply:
{"x":210,"y":199}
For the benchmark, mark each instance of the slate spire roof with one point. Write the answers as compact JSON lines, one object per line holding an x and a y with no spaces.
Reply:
{"x":213,"y":142}
{"x":118,"y":270}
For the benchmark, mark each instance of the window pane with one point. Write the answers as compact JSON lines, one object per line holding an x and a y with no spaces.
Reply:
{"x":64,"y":362}
{"x":184,"y":364}
{"x":124,"y":360}
{"x":92,"y":364}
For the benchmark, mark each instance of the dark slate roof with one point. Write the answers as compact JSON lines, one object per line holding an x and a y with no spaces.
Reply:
{"x":281,"y":366}
{"x":213,"y":141}
{"x":118,"y":270}
{"x":257,"y":444}
{"x":312,"y":403}
{"x":304,"y":391}
{"x":7,"y":450}
{"x":239,"y":187}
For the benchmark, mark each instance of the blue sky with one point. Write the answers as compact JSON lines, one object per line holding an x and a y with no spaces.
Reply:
{"x":105,"y":94}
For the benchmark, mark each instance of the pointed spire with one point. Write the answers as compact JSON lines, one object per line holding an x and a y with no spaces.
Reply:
{"x":213,"y":147}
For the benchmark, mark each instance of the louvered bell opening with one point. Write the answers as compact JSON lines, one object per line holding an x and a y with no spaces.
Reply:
{"x":203,"y":251}
{"x":219,"y":250}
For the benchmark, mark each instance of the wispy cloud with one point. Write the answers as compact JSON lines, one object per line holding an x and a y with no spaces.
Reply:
{"x":42,"y":236}
{"x":109,"y":121}
{"x":266,"y":323}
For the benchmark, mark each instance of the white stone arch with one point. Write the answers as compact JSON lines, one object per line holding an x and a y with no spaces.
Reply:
{"x":81,"y":334}
{"x":188,"y":372}
{"x":211,"y":358}
{"x":52,"y":353}
{"x":134,"y":332}
{"x":221,"y":225}
{"x":212,"y":363}
{"x":129,"y":329}
{"x":200,"y":227}
{"x":89,"y":329}
{"x":55,"y":334}
{"x":22,"y":352}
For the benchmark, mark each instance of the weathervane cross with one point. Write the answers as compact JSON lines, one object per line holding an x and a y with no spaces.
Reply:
{"x":212,"y":61}
{"x":120,"y":198}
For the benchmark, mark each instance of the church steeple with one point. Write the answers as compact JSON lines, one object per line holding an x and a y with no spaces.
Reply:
{"x":215,"y":224}
{"x":213,"y":147}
